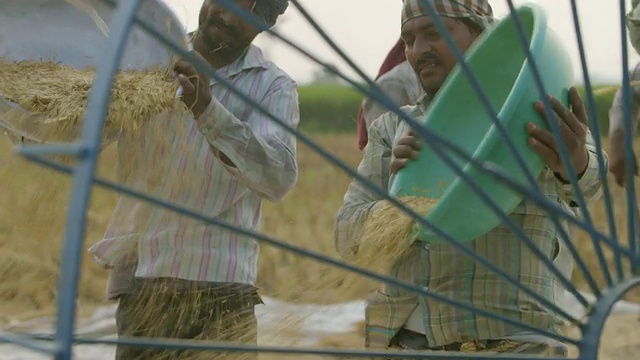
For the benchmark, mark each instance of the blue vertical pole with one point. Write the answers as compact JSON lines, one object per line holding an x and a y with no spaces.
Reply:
{"x":632,"y":206}
{"x":83,"y":175}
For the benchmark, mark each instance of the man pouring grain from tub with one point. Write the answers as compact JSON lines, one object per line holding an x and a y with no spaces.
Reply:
{"x":183,"y":278}
{"x":395,"y":318}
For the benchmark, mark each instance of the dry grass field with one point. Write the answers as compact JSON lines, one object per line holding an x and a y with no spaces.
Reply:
{"x":33,"y":209}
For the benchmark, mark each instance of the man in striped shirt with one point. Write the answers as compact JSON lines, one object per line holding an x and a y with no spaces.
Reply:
{"x":177,"y":277}
{"x":396,"y":318}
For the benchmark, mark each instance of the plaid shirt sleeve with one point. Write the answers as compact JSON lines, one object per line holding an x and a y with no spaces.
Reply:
{"x":358,"y":200}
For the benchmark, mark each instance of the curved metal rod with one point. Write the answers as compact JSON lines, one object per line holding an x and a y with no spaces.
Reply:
{"x":462,"y":62}
{"x":91,"y":153}
{"x":347,"y":353}
{"x":475,"y":84}
{"x":551,"y":207}
{"x":597,"y":318}
{"x":82,"y":176}
{"x":29,"y":343}
{"x":323,"y":34}
{"x":482,"y":260}
{"x":492,"y":114}
{"x":348,"y":170}
{"x":573,"y":250}
{"x":632,"y":206}
{"x":124,"y":190}
{"x":434,"y":146}
{"x":564,"y":152}
{"x":593,"y":123}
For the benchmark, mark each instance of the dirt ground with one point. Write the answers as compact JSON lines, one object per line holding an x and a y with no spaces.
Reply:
{"x":621,"y":338}
{"x":620,"y":341}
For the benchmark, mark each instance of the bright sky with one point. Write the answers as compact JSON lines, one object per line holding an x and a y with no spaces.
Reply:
{"x":366,"y":32}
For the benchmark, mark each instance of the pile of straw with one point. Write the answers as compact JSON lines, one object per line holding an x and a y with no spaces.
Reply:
{"x":166,"y":308}
{"x":385,"y":235}
{"x":59,"y":93}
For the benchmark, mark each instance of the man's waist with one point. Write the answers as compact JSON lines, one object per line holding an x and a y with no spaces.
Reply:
{"x":206,"y":255}
{"x":125,"y":277}
{"x":176,"y":285}
{"x":198,"y":233}
{"x":445,"y":323}
{"x":411,"y":340}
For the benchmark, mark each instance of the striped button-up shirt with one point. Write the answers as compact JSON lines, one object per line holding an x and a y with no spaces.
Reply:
{"x":444,"y":270}
{"x":263,"y":154}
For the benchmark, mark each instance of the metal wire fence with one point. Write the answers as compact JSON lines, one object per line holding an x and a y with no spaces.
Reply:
{"x":86,"y":150}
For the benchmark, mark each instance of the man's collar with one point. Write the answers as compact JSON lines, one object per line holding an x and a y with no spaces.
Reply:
{"x":251,"y":58}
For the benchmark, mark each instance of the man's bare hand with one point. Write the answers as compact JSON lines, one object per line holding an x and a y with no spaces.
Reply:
{"x":196,"y":93}
{"x":573,"y":128}
{"x":405,"y":149}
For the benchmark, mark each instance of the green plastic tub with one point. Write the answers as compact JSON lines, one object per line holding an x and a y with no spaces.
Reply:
{"x":456,"y":113}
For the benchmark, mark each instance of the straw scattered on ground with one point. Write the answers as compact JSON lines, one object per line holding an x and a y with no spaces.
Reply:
{"x":165,"y":309}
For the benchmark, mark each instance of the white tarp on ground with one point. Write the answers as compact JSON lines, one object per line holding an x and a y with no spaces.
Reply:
{"x":310,"y":322}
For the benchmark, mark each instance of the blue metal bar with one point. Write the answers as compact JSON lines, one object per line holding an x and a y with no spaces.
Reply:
{"x":543,"y":257}
{"x":598,"y":315}
{"x":231,"y":346}
{"x":299,"y":250}
{"x":442,"y":29}
{"x":78,"y":150}
{"x":314,"y":146}
{"x":593,"y":123}
{"x":632,"y":206}
{"x":29,"y":343}
{"x":226,"y":347}
{"x":323,"y":34}
{"x":564,"y":153}
{"x":500,"y":175}
{"x":206,"y":345}
{"x":551,"y":207}
{"x":83,"y":174}
{"x":168,"y":343}
{"x":403,"y":354}
{"x":249,"y":17}
{"x":492,"y":114}
{"x":483,"y":98}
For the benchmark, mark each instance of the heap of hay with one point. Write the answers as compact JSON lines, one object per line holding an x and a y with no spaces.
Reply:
{"x":385,"y":235}
{"x":59,"y":94}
